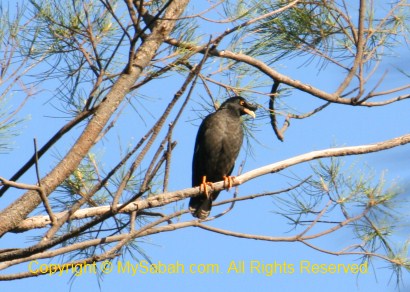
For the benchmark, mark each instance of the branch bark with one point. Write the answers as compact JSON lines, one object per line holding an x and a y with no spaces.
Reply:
{"x":169,"y":197}
{"x":16,"y":212}
{"x":281,"y":78}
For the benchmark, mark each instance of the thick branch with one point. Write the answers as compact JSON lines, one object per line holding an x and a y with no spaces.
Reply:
{"x":275,"y":75}
{"x":16,"y":212}
{"x":166,"y":198}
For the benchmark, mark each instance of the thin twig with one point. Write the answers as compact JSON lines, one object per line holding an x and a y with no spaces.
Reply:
{"x":60,"y":133}
{"x":41,"y":191}
{"x":167,"y":164}
{"x":36,"y":162}
{"x":273,"y":121}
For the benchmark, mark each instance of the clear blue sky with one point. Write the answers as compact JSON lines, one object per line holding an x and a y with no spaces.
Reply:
{"x":196,"y":248}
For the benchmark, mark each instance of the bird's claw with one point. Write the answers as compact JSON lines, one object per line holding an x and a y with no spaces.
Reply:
{"x":228,"y":182}
{"x":203,"y":187}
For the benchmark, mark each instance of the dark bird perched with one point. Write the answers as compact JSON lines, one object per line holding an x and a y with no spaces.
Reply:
{"x":217,"y":146}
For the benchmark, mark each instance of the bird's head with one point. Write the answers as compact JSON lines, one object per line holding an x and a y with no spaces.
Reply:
{"x":239,"y":105}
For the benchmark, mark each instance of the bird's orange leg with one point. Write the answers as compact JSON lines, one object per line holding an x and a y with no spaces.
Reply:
{"x":203,"y":186}
{"x":228,"y":182}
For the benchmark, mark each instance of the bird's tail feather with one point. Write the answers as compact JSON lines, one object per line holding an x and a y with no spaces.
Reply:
{"x":200,"y":206}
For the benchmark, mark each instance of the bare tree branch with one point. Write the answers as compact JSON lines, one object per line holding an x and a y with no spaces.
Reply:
{"x":16,"y":212}
{"x":169,"y":197}
{"x":102,"y":56}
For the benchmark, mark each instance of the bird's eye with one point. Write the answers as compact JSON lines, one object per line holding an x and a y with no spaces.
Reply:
{"x":242,"y":102}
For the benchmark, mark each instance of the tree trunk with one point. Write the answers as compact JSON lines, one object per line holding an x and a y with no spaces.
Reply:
{"x":16,"y":212}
